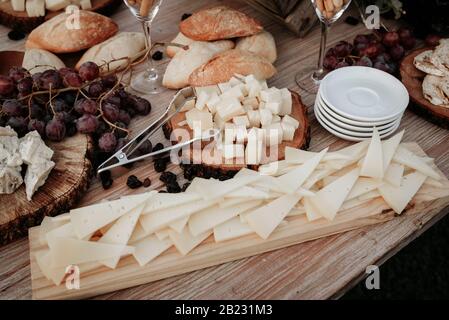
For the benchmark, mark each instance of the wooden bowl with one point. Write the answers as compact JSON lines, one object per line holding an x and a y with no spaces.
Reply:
{"x":412,"y":79}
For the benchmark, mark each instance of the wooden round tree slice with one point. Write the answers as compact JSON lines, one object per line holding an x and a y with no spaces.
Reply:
{"x":20,"y":20}
{"x":412,"y":79}
{"x":301,"y":139}
{"x":68,"y":180}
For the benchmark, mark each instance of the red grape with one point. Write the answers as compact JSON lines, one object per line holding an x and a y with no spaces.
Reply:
{"x":109,"y":81}
{"x":397,"y":52}
{"x":64,"y":71}
{"x":405,"y":33}
{"x":343,"y":49}
{"x":55,"y":130}
{"x":50,"y":79}
{"x":432,"y":40}
{"x":124,"y":117}
{"x":383,"y":57}
{"x":107,"y":142}
{"x":330,"y":52}
{"x":25,"y":86}
{"x":18,"y":73}
{"x":60,"y":105}
{"x":361,"y":39}
{"x":19,"y":124}
{"x":358,"y":48}
{"x":110,"y":112}
{"x":342,"y":64}
{"x":36,"y":111}
{"x":113,"y":99}
{"x":142,"y":106}
{"x":391,"y":39}
{"x":72,"y":79}
{"x":120,"y":133}
{"x":87,"y":106}
{"x":121,"y":143}
{"x":87,"y":124}
{"x":102,"y":127}
{"x":12,"y":108}
{"x":6,"y":85}
{"x":364,"y":62}
{"x":408,"y":43}
{"x":96,"y":89}
{"x":37,"y":125}
{"x":383,"y":66}
{"x":89,"y":71}
{"x":330,"y":62}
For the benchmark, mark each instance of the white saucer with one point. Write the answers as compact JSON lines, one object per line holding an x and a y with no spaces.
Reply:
{"x":364,"y":94}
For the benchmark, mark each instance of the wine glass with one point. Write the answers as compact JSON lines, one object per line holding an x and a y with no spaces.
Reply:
{"x":328,"y":11}
{"x":150,"y":80}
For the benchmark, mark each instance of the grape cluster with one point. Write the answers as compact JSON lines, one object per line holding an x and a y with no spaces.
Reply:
{"x":60,"y":103}
{"x":380,"y":50}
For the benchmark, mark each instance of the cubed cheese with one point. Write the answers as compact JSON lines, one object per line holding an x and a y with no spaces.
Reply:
{"x":273,"y":134}
{"x":241,"y":121}
{"x":274,"y":107}
{"x":229,"y":133}
{"x":229,"y":108}
{"x":210,"y":90}
{"x":253,"y":103}
{"x":254,"y":118}
{"x":219,"y":122}
{"x":288,"y":132}
{"x":290,"y":120}
{"x":201,"y":100}
{"x":271,"y":95}
{"x":286,"y":102}
{"x":266,"y":117}
{"x":244,"y":89}
{"x":203,"y":117}
{"x":254,"y":147}
{"x":235,"y":82}
{"x":234,"y":92}
{"x":232,"y":151}
{"x":18,"y":5}
{"x":241,"y":134}
{"x":35,"y":8}
{"x":86,"y":4}
{"x":188,"y":105}
{"x":276,"y":118}
{"x":211,"y":104}
{"x":262,"y":105}
{"x":254,"y":89}
{"x":250,"y":78}
{"x":56,"y":5}
{"x":264,"y":85}
{"x":224,"y":87}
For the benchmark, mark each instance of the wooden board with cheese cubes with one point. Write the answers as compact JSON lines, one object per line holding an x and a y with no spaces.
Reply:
{"x":253,"y":119}
{"x":142,"y":238}
{"x":28,"y":14}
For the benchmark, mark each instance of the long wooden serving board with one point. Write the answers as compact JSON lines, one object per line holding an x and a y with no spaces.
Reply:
{"x":209,"y":253}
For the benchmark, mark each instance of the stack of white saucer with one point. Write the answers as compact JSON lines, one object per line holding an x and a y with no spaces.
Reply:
{"x":352,"y":101}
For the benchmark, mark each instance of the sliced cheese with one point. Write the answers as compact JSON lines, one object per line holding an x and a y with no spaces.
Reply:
{"x":208,"y":219}
{"x":66,"y":251}
{"x":389,"y":148}
{"x":47,"y":225}
{"x":185,"y":242}
{"x":221,"y":188}
{"x":138,"y":234}
{"x":311,"y":212}
{"x":362,"y":186}
{"x":394,"y":174}
{"x":265,"y":219}
{"x":231,"y":229}
{"x":407,"y":158}
{"x":372,"y":165}
{"x":398,"y":197}
{"x":162,"y":234}
{"x":247,"y":192}
{"x":160,"y":201}
{"x":150,"y":248}
{"x":298,"y":156}
{"x":329,"y":199}
{"x":19,"y":5}
{"x":179,"y":224}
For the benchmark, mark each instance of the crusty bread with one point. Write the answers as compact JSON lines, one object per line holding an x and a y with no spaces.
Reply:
{"x":180,"y":39}
{"x":122,"y":45}
{"x":262,"y":44}
{"x":423,"y":62}
{"x":225,"y":65}
{"x":38,"y":60}
{"x":440,"y":56}
{"x":186,"y":61}
{"x":433,"y":90}
{"x":56,"y":36}
{"x":219,"y":23}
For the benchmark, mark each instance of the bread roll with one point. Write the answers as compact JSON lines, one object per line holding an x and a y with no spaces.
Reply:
{"x":219,"y":23}
{"x":225,"y":65}
{"x":57,"y":35}
{"x":180,"y":39}
{"x":124,"y":44}
{"x":38,"y":60}
{"x":262,"y":44}
{"x":185,"y":61}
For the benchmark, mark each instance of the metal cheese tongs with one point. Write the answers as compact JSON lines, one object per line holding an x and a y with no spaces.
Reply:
{"x":124,"y":155}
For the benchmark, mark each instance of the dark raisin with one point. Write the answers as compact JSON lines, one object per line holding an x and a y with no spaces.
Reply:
{"x":168,"y":177}
{"x":173,"y":188}
{"x":16,"y":35}
{"x":106,"y":179}
{"x":186,"y":16}
{"x":185,"y":186}
{"x":223,"y":178}
{"x":133,"y":182}
{"x":160,"y":165}
{"x":107,"y":184}
{"x":352,"y":21}
{"x":158,"y":146}
{"x":158,"y":55}
{"x":146,"y":182}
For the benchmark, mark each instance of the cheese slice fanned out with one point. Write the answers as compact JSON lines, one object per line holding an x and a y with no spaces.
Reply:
{"x":162,"y":234}
{"x":207,"y":219}
{"x":311,"y":212}
{"x":150,"y":248}
{"x":291,"y":181}
{"x":394,"y":174}
{"x":247,"y":193}
{"x":185,"y":241}
{"x":398,"y":197}
{"x":220,"y":189}
{"x":372,"y":165}
{"x":362,"y":186}
{"x":328,"y":200}
{"x":231,"y":229}
{"x":138,"y":234}
{"x":354,"y":153}
{"x":87,"y":220}
{"x":407,"y":158}
{"x":178,"y":225}
{"x":389,"y":148}
{"x":66,"y":251}
{"x":299,"y":156}
{"x":161,"y":201}
{"x":47,"y":225}
{"x":265,"y":219}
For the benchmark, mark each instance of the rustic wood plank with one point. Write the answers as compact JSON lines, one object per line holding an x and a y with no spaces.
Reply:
{"x":308,"y":270}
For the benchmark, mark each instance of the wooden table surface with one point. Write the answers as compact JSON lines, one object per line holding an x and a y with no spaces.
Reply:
{"x":320,"y":269}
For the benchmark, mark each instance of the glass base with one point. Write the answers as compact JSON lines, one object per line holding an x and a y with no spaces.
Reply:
{"x":147,"y":82}
{"x":309,"y":78}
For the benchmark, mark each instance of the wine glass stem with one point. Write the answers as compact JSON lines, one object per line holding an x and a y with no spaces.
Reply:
{"x":319,"y":73}
{"x":151,"y":72}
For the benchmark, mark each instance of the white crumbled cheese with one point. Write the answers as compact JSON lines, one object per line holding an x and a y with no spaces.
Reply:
{"x":290,"y":120}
